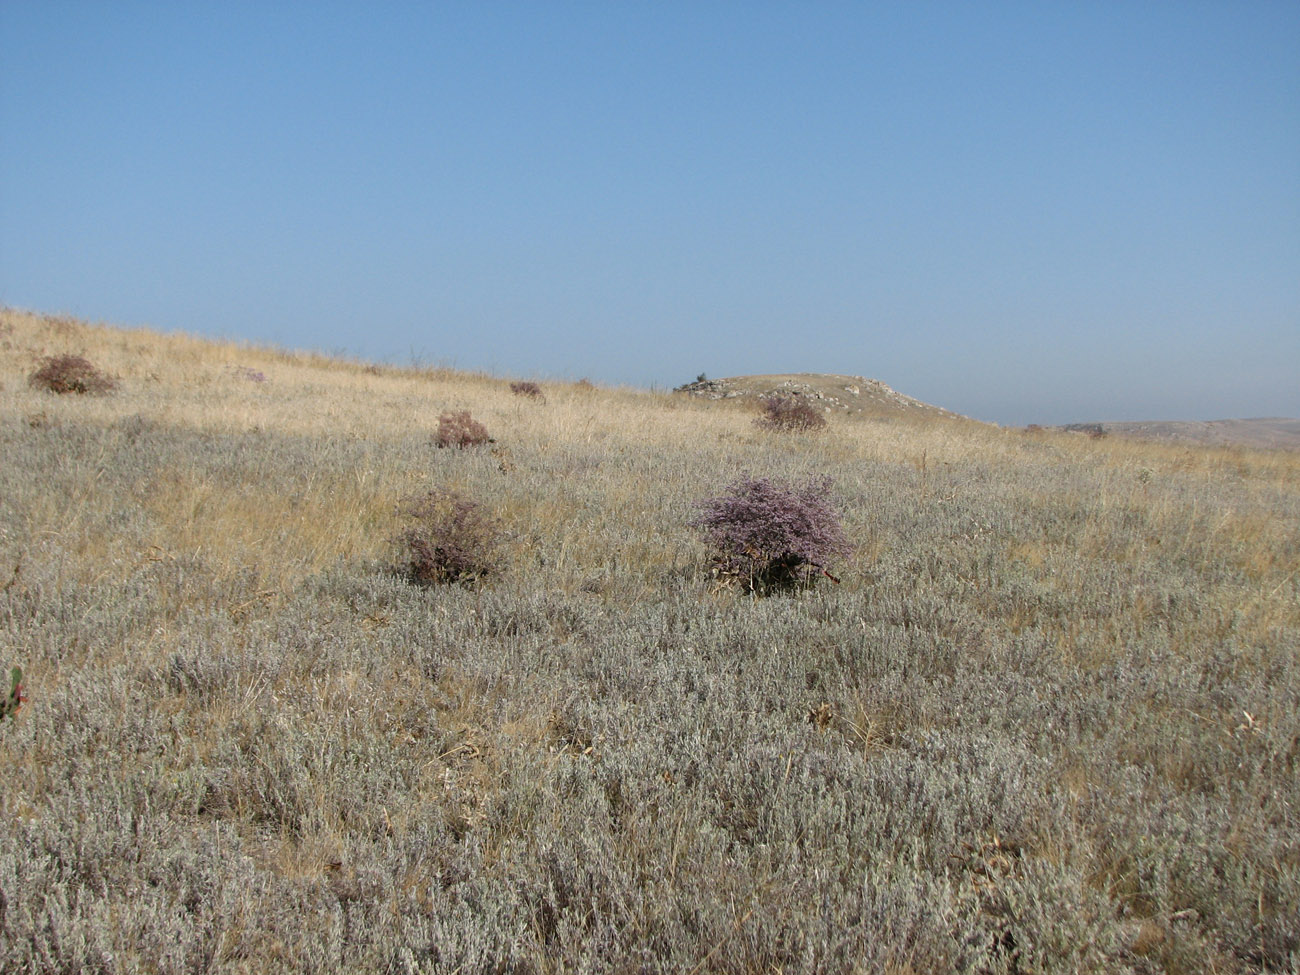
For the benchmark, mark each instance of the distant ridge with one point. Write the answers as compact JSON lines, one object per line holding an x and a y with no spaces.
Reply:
{"x":851,"y":395}
{"x":1263,"y":432}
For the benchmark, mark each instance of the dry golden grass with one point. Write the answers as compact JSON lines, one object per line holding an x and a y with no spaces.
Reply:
{"x":581,"y":516}
{"x":181,"y":382}
{"x":198,"y":587}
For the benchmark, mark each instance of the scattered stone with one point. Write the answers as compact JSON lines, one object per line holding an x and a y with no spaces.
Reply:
{"x":842,"y":394}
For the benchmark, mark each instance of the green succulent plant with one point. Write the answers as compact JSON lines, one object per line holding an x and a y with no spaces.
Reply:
{"x":14,"y":699}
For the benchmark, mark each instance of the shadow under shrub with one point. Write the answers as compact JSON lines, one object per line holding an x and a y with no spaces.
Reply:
{"x":789,"y":414}
{"x":71,"y":374}
{"x":460,"y":430}
{"x":771,"y":535}
{"x":451,"y":539}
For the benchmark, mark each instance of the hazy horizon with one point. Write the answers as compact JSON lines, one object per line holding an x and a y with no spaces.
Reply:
{"x":1021,"y":213}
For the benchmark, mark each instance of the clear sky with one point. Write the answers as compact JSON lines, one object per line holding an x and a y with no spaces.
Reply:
{"x":1025,"y":212}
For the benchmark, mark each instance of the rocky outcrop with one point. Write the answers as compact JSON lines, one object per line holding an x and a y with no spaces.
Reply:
{"x":835,"y":394}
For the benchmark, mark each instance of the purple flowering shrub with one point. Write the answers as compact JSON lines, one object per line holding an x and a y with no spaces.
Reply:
{"x":789,"y":414}
{"x":773,"y":535}
{"x":71,"y":374}
{"x":529,"y":389}
{"x":460,"y":430}
{"x":451,"y":539}
{"x":249,"y":373}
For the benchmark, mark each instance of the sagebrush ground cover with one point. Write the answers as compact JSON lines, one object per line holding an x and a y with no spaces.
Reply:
{"x":1049,"y":722}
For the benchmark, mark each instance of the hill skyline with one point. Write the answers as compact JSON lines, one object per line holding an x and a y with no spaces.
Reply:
{"x":1026,"y":213}
{"x":863,"y":396}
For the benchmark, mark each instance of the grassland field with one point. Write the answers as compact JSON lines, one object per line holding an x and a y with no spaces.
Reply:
{"x":1048,"y":722}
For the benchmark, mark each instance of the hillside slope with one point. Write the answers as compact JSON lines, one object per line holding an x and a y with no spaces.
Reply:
{"x":1048,"y":721}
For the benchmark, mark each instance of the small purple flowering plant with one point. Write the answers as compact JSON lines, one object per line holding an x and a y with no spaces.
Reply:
{"x":772,"y":535}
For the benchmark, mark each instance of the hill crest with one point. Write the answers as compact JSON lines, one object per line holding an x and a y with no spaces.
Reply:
{"x":850,"y":395}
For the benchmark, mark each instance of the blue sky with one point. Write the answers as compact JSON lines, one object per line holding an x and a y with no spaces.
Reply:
{"x":1025,"y":212}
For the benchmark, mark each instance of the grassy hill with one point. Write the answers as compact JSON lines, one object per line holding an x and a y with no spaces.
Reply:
{"x":852,"y":395}
{"x":1048,"y":722}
